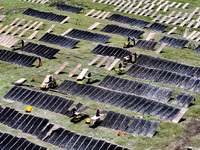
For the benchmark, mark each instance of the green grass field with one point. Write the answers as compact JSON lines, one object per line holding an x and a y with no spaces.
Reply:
{"x":167,"y":133}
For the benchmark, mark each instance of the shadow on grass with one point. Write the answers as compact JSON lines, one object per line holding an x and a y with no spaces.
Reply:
{"x":191,"y":104}
{"x":79,"y":119}
{"x":38,"y":66}
{"x":16,"y":48}
{"x":182,"y":119}
{"x":96,"y":124}
{"x":94,"y":81}
{"x":62,"y":72}
{"x":155,"y":133}
{"x":75,"y":75}
{"x":54,"y":57}
{"x":121,"y":73}
{"x":76,"y":47}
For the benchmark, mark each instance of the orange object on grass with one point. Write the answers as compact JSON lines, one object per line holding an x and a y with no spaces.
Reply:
{"x":119,"y":133}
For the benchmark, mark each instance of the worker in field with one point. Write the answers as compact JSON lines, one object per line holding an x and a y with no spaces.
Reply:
{"x":89,"y":77}
{"x":54,"y":81}
{"x":120,"y":66}
{"x":22,"y":41}
{"x":89,"y":74}
{"x":131,"y":39}
{"x":50,"y":79}
{"x":98,"y":112}
{"x":130,"y":55}
{"x":74,"y":110}
{"x":128,"y":59}
{"x":40,"y":61}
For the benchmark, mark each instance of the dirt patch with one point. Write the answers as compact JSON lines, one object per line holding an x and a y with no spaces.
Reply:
{"x":181,"y":141}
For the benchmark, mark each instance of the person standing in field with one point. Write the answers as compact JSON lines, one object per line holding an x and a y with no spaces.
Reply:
{"x":40,"y":61}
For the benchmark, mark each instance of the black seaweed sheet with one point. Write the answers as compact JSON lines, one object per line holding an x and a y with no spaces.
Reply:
{"x":85,"y":143}
{"x":79,"y":142}
{"x":54,"y":135}
{"x":133,"y":125}
{"x":35,"y":125}
{"x":24,"y":145}
{"x":25,"y":122}
{"x":92,"y":144}
{"x":99,"y":145}
{"x":119,"y":122}
{"x":40,"y":127}
{"x":28,"y":126}
{"x":107,"y":118}
{"x":66,"y":139}
{"x":72,"y":142}
{"x":105,"y":146}
{"x":125,"y":123}
{"x":45,"y":131}
{"x":19,"y":143}
{"x":61,"y":137}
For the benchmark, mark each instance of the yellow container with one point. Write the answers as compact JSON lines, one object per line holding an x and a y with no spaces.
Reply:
{"x":28,"y":108}
{"x":126,"y":43}
{"x":117,"y":69}
{"x":79,"y":81}
{"x":88,"y":120}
